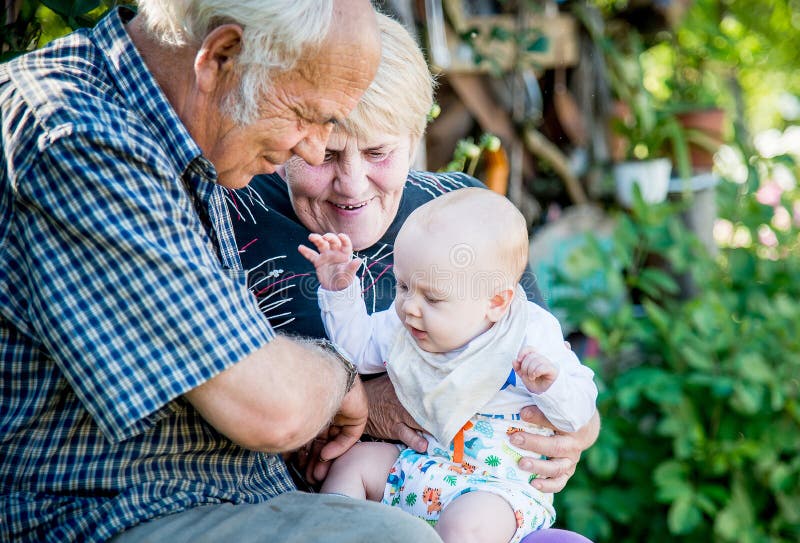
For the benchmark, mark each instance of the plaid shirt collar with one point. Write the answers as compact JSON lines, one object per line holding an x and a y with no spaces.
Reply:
{"x":143,"y":94}
{"x":139,"y":87}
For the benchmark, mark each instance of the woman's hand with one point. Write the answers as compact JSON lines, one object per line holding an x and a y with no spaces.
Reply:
{"x":335,"y":265}
{"x":563,"y":450}
{"x":387,"y":417}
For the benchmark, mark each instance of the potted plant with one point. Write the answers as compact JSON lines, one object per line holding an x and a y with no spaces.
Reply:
{"x":651,"y":139}
{"x":646,"y":135}
{"x":696,"y":107}
{"x":700,"y":60}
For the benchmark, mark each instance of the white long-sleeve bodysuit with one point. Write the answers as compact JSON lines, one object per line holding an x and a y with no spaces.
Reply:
{"x":425,"y":483}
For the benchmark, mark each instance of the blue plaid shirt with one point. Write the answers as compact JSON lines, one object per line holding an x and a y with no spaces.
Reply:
{"x":120,"y":290}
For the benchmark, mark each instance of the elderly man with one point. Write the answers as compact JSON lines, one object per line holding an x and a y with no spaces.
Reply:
{"x":142,"y":389}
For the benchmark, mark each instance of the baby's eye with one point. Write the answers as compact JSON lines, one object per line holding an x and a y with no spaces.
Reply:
{"x":402,"y":287}
{"x":432,"y":300}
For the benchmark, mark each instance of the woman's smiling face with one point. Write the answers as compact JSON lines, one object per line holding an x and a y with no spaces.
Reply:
{"x":357,"y":189}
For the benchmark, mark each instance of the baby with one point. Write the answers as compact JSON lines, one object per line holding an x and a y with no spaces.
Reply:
{"x":465,"y":352}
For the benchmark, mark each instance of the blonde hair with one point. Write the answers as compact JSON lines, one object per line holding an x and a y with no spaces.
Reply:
{"x":500,"y":240}
{"x":274,"y":36}
{"x":401,"y":95}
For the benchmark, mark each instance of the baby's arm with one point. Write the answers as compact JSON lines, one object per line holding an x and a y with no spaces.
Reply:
{"x":568,"y":401}
{"x":335,"y":265}
{"x":360,"y":336}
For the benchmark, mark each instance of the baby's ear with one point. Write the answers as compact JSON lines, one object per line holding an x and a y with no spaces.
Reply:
{"x":498,"y":304}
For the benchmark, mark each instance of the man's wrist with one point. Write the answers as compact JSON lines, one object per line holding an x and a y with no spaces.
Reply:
{"x":350,"y":368}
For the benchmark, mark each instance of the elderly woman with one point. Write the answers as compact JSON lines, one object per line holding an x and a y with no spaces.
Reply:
{"x":365,"y":189}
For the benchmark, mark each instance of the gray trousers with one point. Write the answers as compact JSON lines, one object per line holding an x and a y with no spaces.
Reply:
{"x":294,"y":517}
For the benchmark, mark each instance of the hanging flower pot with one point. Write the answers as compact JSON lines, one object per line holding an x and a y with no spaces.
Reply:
{"x":704,"y":135}
{"x":652,"y":176}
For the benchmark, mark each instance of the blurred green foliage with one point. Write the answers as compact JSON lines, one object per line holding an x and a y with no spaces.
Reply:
{"x":29,"y":24}
{"x":721,"y":42}
{"x":699,"y":372}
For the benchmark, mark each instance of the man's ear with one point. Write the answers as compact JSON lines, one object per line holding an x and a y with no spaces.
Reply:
{"x":498,"y":304}
{"x":214,"y":61}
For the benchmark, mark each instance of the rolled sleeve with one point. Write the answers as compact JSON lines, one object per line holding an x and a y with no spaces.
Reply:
{"x":126,"y":288}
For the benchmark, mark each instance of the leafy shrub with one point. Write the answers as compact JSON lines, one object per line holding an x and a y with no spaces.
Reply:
{"x":699,"y":373}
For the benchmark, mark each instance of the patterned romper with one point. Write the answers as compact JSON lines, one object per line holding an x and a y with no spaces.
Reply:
{"x":425,"y":483}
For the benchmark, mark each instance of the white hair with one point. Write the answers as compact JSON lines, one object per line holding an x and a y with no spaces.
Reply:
{"x":275,"y":33}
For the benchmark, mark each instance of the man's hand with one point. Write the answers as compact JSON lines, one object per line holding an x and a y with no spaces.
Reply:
{"x":335,"y":265}
{"x":563,"y":450}
{"x":387,"y":417}
{"x":345,"y":430}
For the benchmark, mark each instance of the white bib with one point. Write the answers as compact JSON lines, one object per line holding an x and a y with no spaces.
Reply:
{"x":443,"y":392}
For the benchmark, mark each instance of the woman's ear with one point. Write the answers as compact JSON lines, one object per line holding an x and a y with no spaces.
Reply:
{"x":213,"y":64}
{"x":498,"y":304}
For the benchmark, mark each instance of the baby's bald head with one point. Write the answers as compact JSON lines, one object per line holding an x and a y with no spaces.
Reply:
{"x":471,"y":224}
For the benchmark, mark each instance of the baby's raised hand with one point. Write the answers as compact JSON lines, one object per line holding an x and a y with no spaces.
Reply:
{"x":333,"y":260}
{"x":536,"y":371}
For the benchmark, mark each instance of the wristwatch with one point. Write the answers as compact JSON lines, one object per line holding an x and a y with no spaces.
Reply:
{"x":331,"y":347}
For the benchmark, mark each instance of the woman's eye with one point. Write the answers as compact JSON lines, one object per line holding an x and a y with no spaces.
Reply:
{"x":329,"y":156}
{"x":377,"y":155}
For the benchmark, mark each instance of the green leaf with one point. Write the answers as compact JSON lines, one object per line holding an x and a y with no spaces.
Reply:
{"x":781,"y":478}
{"x":68,"y":9}
{"x":683,"y":516}
{"x":705,"y":319}
{"x":741,"y":265}
{"x":539,"y":45}
{"x":499,"y":33}
{"x":747,"y":399}
{"x":671,"y":479}
{"x":657,"y":315}
{"x":603,"y":459}
{"x":656,"y":280}
{"x":698,"y":361}
{"x":593,"y":328}
{"x":753,"y":367}
{"x":726,"y":524}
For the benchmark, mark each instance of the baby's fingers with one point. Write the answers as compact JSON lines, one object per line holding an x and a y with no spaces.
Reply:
{"x":310,"y":254}
{"x":525,"y":352}
{"x":333,"y":241}
{"x":320,"y":242}
{"x":532,"y":361}
{"x":347,"y":245}
{"x":353,"y":265}
{"x":534,"y":369}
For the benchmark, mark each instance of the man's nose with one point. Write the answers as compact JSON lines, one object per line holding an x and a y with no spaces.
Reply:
{"x":312,"y":147}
